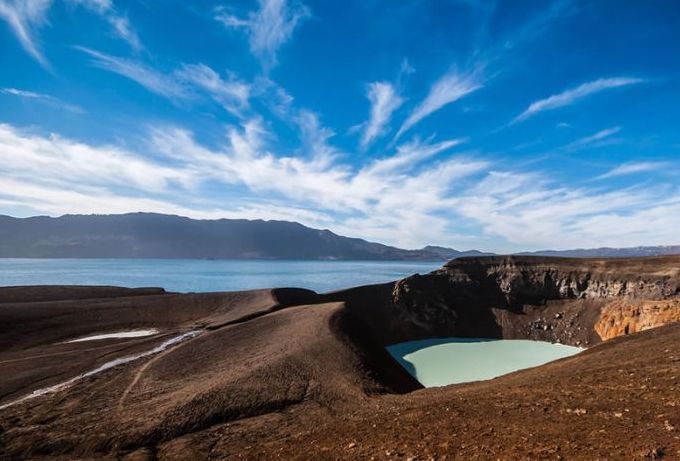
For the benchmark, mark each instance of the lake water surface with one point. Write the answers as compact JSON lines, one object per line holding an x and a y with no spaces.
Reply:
{"x":443,"y":361}
{"x":186,"y":275}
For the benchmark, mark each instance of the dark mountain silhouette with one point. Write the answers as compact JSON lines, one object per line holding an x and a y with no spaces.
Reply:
{"x":149,"y":235}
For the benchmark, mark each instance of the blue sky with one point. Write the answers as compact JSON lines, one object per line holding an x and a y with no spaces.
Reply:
{"x":503,"y":126}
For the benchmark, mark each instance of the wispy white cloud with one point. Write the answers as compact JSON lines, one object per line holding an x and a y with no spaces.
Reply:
{"x":23,"y":93}
{"x":151,"y":79}
{"x":410,"y":154}
{"x":595,"y":138}
{"x":269,"y":27}
{"x":273,"y":25}
{"x":448,"y":89}
{"x":529,"y":211}
{"x":24,"y":18}
{"x":572,"y":95}
{"x":118,"y":22}
{"x":384,"y":99}
{"x":66,"y":163}
{"x":232,"y":94}
{"x":43,"y":99}
{"x":121,"y":25}
{"x":51,"y":200}
{"x":368,"y":195}
{"x":315,"y":137}
{"x":187,"y":82}
{"x":223,"y":15}
{"x":633,"y":168}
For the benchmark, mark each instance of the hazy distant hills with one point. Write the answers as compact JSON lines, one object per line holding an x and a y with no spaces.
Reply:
{"x":149,"y":235}
{"x":606,"y":252}
{"x":449,"y":253}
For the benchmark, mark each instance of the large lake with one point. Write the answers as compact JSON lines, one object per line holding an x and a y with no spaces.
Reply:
{"x":443,"y":361}
{"x":206,"y":275}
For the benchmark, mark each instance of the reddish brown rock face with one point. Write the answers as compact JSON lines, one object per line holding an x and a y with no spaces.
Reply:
{"x":626,"y":317}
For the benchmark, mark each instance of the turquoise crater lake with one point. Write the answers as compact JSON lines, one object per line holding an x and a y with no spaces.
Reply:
{"x":443,"y":361}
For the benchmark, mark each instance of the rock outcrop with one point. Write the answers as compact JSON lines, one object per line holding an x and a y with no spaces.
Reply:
{"x":550,"y":299}
{"x":526,"y":278}
{"x":625,"y":317}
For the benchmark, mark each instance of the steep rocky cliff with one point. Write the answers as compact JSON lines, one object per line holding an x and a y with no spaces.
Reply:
{"x":625,"y":317}
{"x":526,"y":278}
{"x":573,"y":301}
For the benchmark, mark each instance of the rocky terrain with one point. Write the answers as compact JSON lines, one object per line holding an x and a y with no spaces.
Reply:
{"x":292,"y":374}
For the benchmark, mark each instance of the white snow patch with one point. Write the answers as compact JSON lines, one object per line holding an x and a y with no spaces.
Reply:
{"x":118,"y":334}
{"x":113,"y":363}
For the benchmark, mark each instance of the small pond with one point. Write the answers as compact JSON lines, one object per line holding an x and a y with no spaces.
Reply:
{"x":443,"y":361}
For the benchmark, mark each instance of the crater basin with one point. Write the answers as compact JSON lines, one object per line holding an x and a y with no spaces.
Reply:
{"x":443,"y":361}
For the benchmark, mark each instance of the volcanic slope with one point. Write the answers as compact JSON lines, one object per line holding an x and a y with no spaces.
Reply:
{"x":290,"y":374}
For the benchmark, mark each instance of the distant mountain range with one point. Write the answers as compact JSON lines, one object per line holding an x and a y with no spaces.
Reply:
{"x":150,"y":235}
{"x":606,"y":252}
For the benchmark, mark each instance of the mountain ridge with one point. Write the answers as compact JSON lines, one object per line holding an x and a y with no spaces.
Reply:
{"x":610,"y":252}
{"x":155,"y":235}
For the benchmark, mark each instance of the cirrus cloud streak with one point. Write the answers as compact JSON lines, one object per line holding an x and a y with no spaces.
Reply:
{"x":572,"y":95}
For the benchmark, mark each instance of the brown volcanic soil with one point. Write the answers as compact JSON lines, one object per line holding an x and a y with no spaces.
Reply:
{"x":288,"y":374}
{"x":617,"y":401}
